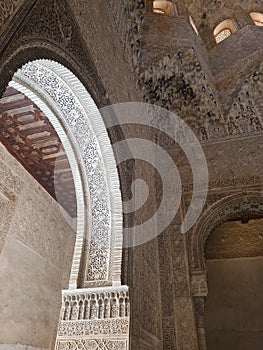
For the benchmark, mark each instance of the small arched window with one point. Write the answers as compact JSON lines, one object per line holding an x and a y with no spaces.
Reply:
{"x":164,"y":7}
{"x":223,"y":30}
{"x":257,"y":18}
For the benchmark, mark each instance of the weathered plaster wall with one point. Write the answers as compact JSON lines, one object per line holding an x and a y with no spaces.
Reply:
{"x":234,"y":307}
{"x":35,"y":261}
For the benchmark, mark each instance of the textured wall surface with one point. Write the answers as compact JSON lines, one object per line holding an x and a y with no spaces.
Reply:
{"x":35,"y":261}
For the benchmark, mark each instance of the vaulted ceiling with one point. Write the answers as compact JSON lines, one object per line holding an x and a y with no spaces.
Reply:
{"x":30,"y":137}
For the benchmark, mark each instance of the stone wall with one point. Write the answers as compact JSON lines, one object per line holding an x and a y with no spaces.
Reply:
{"x":35,"y":261}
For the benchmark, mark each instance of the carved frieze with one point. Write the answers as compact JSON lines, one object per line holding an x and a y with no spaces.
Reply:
{"x":114,"y":344}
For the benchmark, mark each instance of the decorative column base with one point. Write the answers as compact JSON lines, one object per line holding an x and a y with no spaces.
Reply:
{"x":94,"y":319}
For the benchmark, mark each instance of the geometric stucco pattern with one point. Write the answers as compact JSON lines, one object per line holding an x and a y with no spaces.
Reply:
{"x":241,"y":121}
{"x":180,"y":82}
{"x":227,"y":208}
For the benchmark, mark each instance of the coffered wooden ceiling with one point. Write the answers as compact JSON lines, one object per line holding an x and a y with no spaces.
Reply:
{"x":29,"y":136}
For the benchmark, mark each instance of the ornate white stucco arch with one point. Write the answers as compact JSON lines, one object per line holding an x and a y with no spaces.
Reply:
{"x":77,"y":120}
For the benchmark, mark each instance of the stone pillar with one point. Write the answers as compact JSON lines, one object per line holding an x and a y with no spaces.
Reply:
{"x":199,"y":291}
{"x":176,"y":287}
{"x":199,"y":303}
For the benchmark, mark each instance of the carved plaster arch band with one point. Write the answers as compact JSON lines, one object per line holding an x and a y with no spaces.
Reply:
{"x":68,"y":105}
{"x":219,"y":212}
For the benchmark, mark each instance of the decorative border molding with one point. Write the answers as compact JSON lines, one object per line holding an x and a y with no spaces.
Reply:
{"x":93,"y":328}
{"x":93,"y":344}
